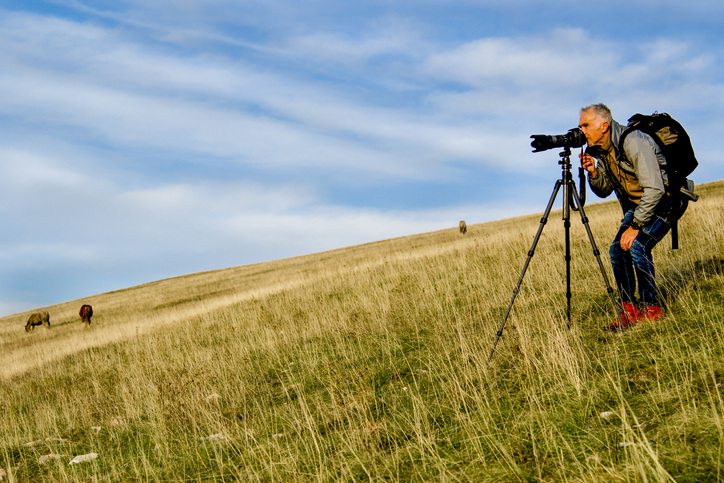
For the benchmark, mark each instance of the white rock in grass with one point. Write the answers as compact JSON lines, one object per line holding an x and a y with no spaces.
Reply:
{"x":607,"y":414}
{"x":49,"y":457}
{"x":117,"y":421}
{"x":40,"y":441}
{"x":3,"y":473}
{"x":57,"y":440}
{"x":83,"y":458}
{"x":217,"y":437}
{"x":211,"y":398}
{"x":626,"y":444}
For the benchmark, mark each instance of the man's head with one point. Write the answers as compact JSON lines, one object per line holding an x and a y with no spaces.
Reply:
{"x":595,"y":122}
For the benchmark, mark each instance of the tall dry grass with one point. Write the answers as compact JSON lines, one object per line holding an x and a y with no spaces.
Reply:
{"x":370,"y":363}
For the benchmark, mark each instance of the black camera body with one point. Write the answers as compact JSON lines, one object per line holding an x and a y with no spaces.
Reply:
{"x":574,"y":138}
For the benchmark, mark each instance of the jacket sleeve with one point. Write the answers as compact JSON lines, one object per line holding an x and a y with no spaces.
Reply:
{"x":643,"y":154}
{"x":600,"y":185}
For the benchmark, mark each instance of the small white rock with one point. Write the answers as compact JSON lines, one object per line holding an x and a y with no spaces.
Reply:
{"x":33,"y":443}
{"x":49,"y":457}
{"x":57,"y":440}
{"x":626,"y":444}
{"x":607,"y":414}
{"x":212,"y":398}
{"x":217,"y":437}
{"x":83,"y":458}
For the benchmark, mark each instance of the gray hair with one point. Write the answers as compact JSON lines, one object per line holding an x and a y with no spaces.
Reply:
{"x":600,"y":110}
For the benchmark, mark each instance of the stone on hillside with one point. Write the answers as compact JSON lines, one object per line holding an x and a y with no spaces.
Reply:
{"x":217,"y":437}
{"x":41,"y":441}
{"x":83,"y":458}
{"x":49,"y":457}
{"x":57,"y":440}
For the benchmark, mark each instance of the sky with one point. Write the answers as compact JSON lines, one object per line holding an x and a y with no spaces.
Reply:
{"x":141,"y":140}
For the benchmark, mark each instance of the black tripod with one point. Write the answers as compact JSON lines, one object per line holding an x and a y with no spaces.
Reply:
{"x":571,"y":200}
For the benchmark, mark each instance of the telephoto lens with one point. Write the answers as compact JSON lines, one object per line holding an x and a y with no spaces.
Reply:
{"x":574,"y":138}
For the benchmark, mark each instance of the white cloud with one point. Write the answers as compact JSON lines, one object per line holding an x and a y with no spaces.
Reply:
{"x":228,"y":110}
{"x":519,"y":62}
{"x":31,"y":171}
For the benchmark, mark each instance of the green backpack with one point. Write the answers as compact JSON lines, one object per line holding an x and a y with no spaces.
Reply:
{"x":676,"y":147}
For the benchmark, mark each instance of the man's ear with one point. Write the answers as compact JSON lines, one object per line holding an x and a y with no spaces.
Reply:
{"x":605,"y":126}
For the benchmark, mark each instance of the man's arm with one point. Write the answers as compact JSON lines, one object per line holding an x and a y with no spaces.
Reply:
{"x":596,"y":178}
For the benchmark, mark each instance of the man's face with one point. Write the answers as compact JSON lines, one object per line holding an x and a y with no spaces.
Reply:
{"x":594,"y":128}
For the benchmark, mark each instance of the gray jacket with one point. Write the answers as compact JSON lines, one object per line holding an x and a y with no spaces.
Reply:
{"x":644,"y":160}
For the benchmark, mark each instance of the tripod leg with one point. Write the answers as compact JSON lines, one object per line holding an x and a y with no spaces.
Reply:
{"x":567,"y":187}
{"x":609,"y":289}
{"x":543,"y":222}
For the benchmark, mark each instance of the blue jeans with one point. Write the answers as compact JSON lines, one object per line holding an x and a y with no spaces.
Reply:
{"x":637,"y":263}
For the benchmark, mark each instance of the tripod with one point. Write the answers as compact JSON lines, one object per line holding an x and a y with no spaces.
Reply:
{"x":571,"y":200}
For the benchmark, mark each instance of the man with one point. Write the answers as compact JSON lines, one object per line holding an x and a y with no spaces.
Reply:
{"x":635,"y":175}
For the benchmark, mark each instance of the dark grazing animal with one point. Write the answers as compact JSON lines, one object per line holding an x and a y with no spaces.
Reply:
{"x":463,"y":227}
{"x":86,"y":312}
{"x":38,"y":318}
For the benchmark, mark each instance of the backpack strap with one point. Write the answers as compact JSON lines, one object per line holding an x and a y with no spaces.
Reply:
{"x":625,"y":133}
{"x":633,"y":125}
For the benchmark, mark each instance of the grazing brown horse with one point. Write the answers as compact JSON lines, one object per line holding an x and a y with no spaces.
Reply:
{"x":38,"y":318}
{"x":86,"y":312}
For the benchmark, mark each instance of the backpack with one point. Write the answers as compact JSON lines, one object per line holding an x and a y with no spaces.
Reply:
{"x":676,"y":147}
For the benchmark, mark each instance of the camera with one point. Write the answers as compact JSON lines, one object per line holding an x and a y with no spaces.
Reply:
{"x":574,"y":138}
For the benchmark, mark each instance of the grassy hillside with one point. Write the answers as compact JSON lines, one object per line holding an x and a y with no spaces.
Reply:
{"x":370,"y":363}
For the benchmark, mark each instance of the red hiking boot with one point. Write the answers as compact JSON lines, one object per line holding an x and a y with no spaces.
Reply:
{"x":652,"y":313}
{"x":629,"y":315}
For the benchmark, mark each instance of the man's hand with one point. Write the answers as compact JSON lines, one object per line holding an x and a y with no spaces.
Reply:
{"x":588,"y":163}
{"x":627,"y":238}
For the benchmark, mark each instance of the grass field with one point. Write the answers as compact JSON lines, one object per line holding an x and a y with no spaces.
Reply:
{"x":371,"y":363}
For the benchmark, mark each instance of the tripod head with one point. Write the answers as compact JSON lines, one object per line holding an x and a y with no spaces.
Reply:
{"x":565,"y":156}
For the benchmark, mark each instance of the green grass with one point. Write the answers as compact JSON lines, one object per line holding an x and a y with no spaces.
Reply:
{"x":371,"y":363}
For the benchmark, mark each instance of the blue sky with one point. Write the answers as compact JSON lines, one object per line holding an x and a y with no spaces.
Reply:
{"x":141,"y":140}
